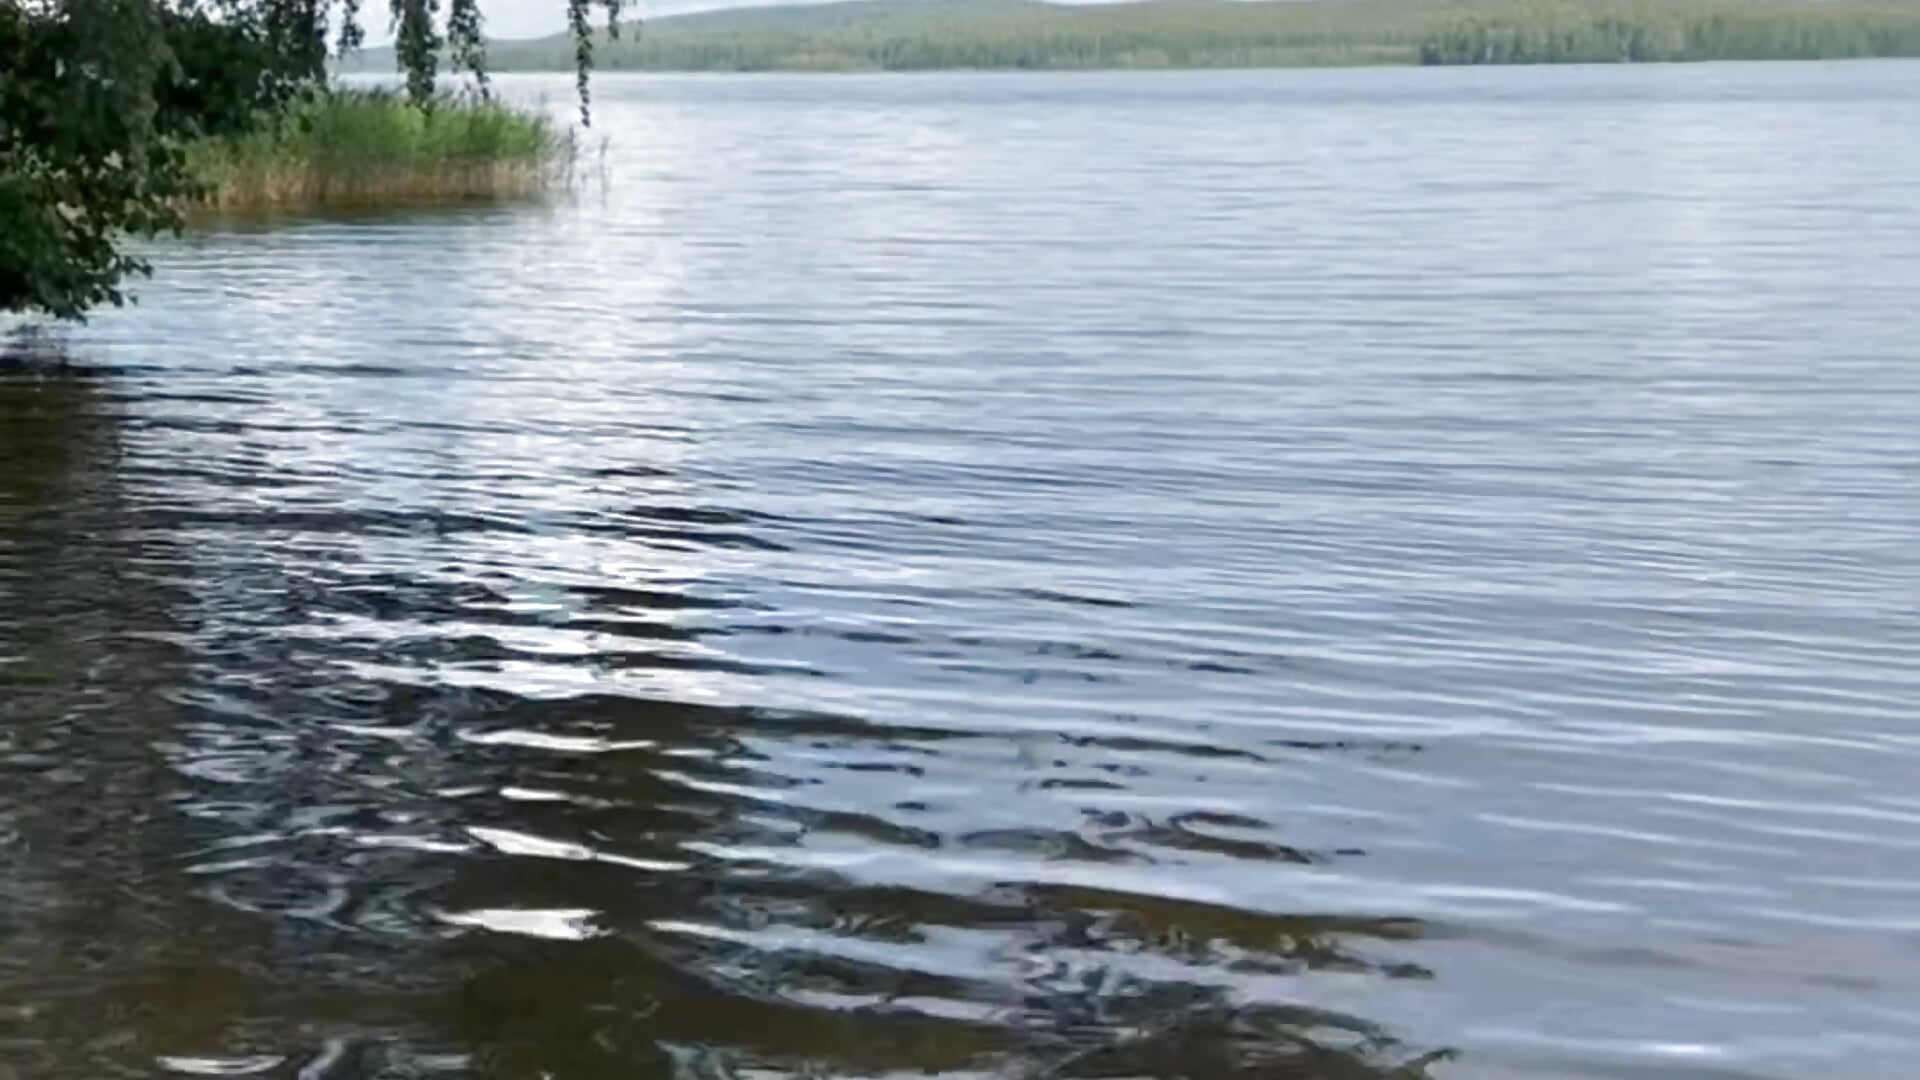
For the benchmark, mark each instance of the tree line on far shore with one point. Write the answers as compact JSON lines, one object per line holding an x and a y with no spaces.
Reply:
{"x":896,"y":35}
{"x":1658,"y":31}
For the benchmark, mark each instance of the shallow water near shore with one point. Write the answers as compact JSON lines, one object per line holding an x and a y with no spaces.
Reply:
{"x":1366,"y":574}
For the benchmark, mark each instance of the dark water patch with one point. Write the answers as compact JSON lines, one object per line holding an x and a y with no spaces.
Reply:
{"x":346,"y":523}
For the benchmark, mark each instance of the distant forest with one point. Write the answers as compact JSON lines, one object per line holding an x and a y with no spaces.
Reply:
{"x":910,"y":35}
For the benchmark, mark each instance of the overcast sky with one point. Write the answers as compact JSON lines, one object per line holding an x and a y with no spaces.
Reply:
{"x":537,"y":18}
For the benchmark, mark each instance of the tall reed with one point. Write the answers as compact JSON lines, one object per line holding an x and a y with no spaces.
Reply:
{"x":373,"y":148}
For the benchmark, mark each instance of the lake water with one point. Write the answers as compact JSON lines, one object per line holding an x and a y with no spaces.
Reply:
{"x":1373,"y":574}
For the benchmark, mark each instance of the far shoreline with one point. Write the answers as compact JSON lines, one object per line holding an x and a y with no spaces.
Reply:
{"x":904,"y":36}
{"x":1573,"y":65}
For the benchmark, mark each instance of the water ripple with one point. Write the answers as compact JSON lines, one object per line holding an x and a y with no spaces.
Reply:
{"x":1343,"y":575}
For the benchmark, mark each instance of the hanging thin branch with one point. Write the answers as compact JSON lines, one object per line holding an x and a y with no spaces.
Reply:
{"x":466,"y":38}
{"x":580,"y":25}
{"x":416,"y":45}
{"x":293,"y":30}
{"x":352,"y":36}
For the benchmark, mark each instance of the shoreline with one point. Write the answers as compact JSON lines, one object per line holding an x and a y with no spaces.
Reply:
{"x":1383,"y":65}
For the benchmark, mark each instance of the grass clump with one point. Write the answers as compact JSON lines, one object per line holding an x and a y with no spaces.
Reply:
{"x":367,"y":148}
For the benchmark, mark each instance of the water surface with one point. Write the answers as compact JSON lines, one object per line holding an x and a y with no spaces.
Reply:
{"x":1318,"y":575}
